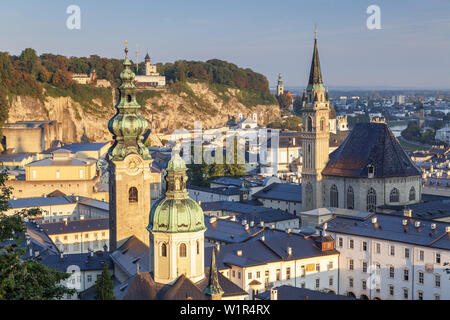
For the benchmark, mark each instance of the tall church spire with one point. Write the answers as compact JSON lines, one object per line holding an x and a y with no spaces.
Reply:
{"x":315,"y":76}
{"x":213,"y":289}
{"x":127,"y":125}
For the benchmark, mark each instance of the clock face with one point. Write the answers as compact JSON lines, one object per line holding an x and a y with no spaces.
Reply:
{"x":133,"y":164}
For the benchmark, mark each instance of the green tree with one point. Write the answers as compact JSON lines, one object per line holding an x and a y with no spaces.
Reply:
{"x":104,"y":286}
{"x":30,"y":61}
{"x":23,"y":279}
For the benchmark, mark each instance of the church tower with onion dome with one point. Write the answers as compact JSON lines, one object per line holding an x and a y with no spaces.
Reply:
{"x":129,"y":166}
{"x":176,"y":227}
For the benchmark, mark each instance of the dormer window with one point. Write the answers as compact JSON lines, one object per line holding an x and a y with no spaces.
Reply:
{"x":371,"y":171}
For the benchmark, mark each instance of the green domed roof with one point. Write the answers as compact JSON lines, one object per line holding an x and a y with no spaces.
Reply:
{"x":176,"y":212}
{"x":176,"y":215}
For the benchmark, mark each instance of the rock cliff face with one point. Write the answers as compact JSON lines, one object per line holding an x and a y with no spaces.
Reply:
{"x":169,"y":111}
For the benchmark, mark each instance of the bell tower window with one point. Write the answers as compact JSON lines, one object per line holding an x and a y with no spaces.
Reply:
{"x":183,"y":250}
{"x":133,"y":195}
{"x":163,"y":250}
{"x":309,"y":124}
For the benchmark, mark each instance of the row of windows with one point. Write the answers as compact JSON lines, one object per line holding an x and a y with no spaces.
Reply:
{"x":76,"y":236}
{"x":405,"y":275}
{"x":182,"y":249}
{"x":391,"y":250}
{"x":391,"y":291}
{"x":371,"y":197}
{"x":57,"y":174}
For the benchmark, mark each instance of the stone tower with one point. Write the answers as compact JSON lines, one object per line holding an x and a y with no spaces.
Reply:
{"x":129,"y":166}
{"x":147,"y":65}
{"x":315,"y":135}
{"x":176,"y":228}
{"x":280,"y":87}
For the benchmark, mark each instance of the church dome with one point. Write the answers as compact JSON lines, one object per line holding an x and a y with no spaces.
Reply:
{"x":176,"y":212}
{"x":176,"y":215}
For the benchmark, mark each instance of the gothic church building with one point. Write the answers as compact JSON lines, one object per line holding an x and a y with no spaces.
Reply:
{"x":370,"y":169}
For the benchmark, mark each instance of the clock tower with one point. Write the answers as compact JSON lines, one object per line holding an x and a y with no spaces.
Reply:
{"x":315,"y":135}
{"x":129,"y":166}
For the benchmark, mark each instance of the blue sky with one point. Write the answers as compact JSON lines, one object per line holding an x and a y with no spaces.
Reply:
{"x":411,"y":50}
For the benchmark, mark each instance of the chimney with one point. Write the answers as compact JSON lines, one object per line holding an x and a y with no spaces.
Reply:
{"x":77,"y":198}
{"x":246,"y":226}
{"x":417,"y":224}
{"x":325,"y":227}
{"x":374,"y":220}
{"x":91,"y":253}
{"x":261,"y":224}
{"x":36,"y":253}
{"x":82,"y":217}
{"x":272,"y":226}
{"x":433,"y":226}
{"x":407,"y":213}
{"x":447,"y":229}
{"x":273,"y":294}
{"x":61,"y":255}
{"x":263,"y":238}
{"x":405,"y":222}
{"x":288,"y":230}
{"x":289,"y":251}
{"x":218,"y":247}
{"x":239,"y":253}
{"x":199,"y":203}
{"x":65,"y":221}
{"x":244,"y":222}
{"x":252,"y":224}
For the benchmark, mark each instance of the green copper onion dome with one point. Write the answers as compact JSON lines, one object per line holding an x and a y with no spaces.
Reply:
{"x":176,"y":212}
{"x":127,"y":125}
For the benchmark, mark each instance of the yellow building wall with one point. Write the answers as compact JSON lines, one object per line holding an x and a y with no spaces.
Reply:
{"x":46,"y":173}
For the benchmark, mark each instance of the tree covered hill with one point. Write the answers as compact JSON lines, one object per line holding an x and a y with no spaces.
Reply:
{"x":39,"y":81}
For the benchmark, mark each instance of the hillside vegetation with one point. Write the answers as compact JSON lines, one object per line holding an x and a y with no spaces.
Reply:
{"x":46,"y":79}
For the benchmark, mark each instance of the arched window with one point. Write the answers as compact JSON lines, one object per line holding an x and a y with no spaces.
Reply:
{"x":183,"y":250}
{"x":412,"y":194}
{"x":133,"y":194}
{"x":322,"y":124}
{"x":309,"y":125}
{"x":350,"y":198}
{"x":334,"y":196}
{"x":163,"y":250}
{"x":371,"y":200}
{"x":309,"y":194}
{"x":198,"y":247}
{"x":394,"y":196}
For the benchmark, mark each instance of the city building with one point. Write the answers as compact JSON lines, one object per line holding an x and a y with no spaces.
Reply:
{"x":281,"y":196}
{"x":368,"y":170}
{"x":151,"y":78}
{"x":80,"y":236}
{"x":60,"y":208}
{"x":31,"y":136}
{"x":85,"y":78}
{"x":392,"y":257}
{"x":250,"y":215}
{"x":443,"y":135}
{"x":286,"y":292}
{"x":287,"y":259}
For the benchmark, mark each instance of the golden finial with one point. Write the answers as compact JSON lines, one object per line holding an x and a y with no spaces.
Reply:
{"x":315,"y":30}
{"x":126,"y":47}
